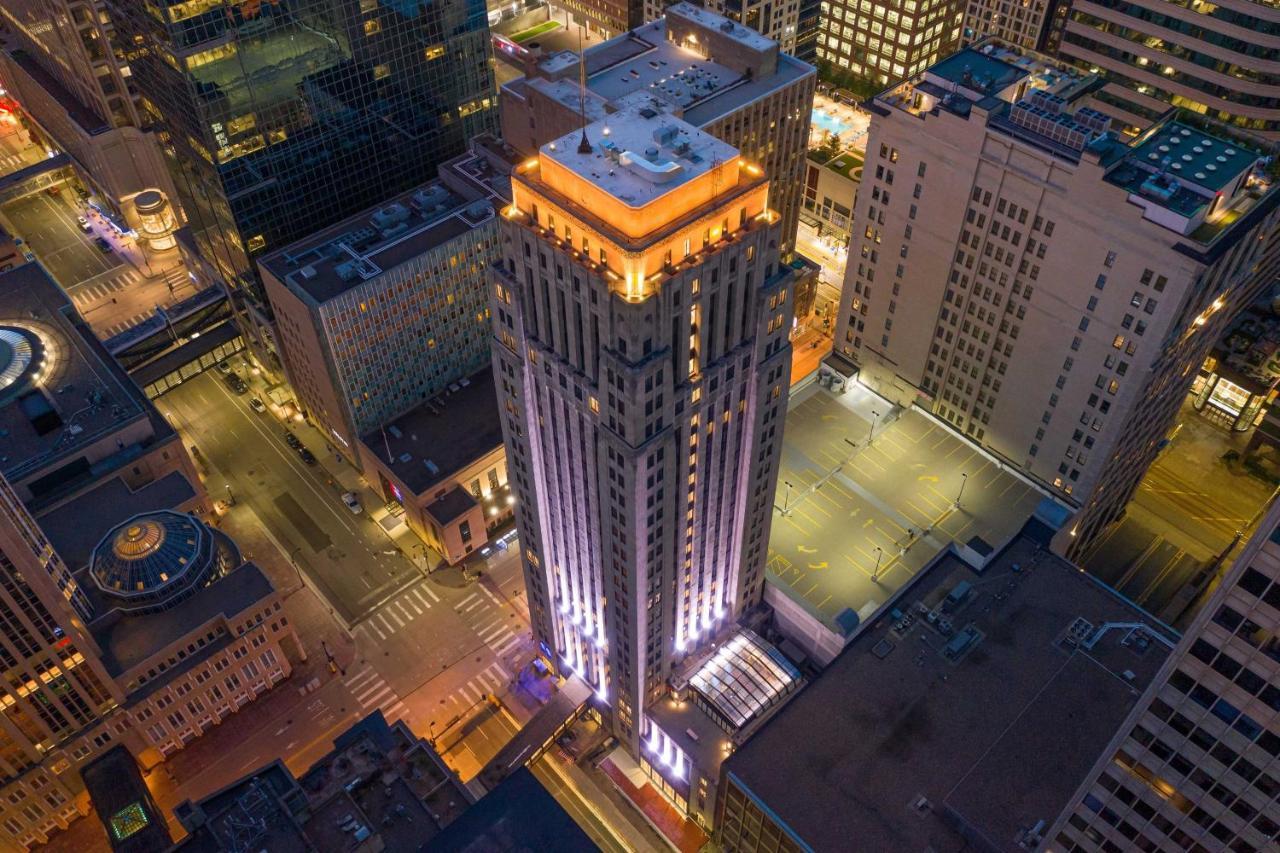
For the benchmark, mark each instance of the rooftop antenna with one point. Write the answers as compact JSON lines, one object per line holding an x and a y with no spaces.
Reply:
{"x":584,"y":145}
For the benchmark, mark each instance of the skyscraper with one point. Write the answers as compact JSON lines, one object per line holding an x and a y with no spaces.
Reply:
{"x":641,"y":318}
{"x":1048,"y":289}
{"x":284,"y":118}
{"x":1196,"y":765}
{"x":1216,"y":59}
{"x":56,"y":685}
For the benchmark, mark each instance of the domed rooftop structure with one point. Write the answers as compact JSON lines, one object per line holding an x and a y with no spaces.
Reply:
{"x":156,"y":559}
{"x":21,"y":357}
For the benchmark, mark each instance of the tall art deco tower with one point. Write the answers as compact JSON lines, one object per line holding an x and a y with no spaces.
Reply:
{"x":642,"y":318}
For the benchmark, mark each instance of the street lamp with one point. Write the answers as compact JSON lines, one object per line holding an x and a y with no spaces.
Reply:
{"x":964,"y":478}
{"x":875,"y":418}
{"x":875,"y":575}
{"x":786,"y":500}
{"x":231,"y":498}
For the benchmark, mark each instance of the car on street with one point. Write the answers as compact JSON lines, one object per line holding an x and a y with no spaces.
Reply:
{"x":258,"y":406}
{"x":352,"y":502}
{"x":224,"y":366}
{"x":292,"y":440}
{"x":83,"y":222}
{"x":53,"y":190}
{"x":306,"y":456}
{"x":236,"y":384}
{"x":102,"y":244}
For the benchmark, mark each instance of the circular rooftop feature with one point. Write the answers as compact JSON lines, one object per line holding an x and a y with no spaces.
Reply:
{"x":21,"y":356}
{"x":155,"y":560}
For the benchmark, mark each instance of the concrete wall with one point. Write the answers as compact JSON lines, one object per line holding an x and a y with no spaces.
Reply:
{"x":801,"y":627}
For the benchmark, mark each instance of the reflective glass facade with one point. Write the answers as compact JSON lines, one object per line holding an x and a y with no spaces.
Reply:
{"x":1216,"y":60}
{"x":284,"y":116}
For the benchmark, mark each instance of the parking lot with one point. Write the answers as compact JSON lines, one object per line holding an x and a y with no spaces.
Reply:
{"x":858,"y":514}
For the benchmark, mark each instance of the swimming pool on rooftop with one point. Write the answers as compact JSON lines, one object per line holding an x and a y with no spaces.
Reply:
{"x":827,"y":122}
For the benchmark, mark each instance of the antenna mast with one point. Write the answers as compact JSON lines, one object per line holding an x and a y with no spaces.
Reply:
{"x":584,"y":145}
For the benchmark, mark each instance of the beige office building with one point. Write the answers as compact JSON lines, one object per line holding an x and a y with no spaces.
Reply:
{"x":1196,"y":766}
{"x":887,"y":41}
{"x":1023,"y":23}
{"x":694,"y":65}
{"x":1042,"y":286}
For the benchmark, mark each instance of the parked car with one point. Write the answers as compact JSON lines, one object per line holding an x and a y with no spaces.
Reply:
{"x":307,"y":456}
{"x":352,"y":502}
{"x":53,"y":189}
{"x":102,"y":244}
{"x":83,"y":222}
{"x":224,"y":366}
{"x":258,"y":406}
{"x":292,"y":440}
{"x":236,"y":384}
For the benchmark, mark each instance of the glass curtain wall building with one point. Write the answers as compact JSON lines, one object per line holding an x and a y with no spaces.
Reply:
{"x":1215,"y":59}
{"x":282,"y":117}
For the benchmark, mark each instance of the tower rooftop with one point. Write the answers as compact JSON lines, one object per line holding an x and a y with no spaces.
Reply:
{"x":638,"y":156}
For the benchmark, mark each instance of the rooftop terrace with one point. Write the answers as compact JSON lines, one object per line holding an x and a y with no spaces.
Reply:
{"x":1189,"y":180}
{"x":970,"y":707}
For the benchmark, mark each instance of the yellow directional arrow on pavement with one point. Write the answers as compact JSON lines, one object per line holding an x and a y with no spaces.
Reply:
{"x":929,"y":477}
{"x":805,"y":549}
{"x":821,"y":565}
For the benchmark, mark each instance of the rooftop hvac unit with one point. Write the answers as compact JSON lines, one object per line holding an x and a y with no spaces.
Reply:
{"x":308,"y":271}
{"x":390,"y":215}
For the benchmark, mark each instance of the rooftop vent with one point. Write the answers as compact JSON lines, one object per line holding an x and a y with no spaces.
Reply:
{"x":391,"y":215}
{"x":308,"y":271}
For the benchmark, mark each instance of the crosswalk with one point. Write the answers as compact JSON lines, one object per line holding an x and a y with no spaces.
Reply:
{"x":398,"y":613}
{"x":123,"y":325}
{"x":486,"y":614}
{"x":493,"y":680}
{"x":372,"y":691}
{"x":10,"y":163}
{"x":101,"y":287}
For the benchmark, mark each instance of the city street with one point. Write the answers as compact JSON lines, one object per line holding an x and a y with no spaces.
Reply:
{"x":1187,"y":511}
{"x":857,"y":515}
{"x":48,"y":226}
{"x":245,"y":456}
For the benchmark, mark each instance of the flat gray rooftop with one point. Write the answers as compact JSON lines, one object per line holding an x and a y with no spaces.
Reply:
{"x":639,"y":156}
{"x":645,"y":61}
{"x":82,"y":394}
{"x":76,"y":527}
{"x":468,"y":427}
{"x":918,"y":731}
{"x":330,"y":262}
{"x":127,"y":641}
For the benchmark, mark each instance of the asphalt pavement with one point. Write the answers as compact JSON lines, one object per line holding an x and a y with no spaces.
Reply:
{"x":344,"y":555}
{"x":868,"y":493}
{"x":48,"y":226}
